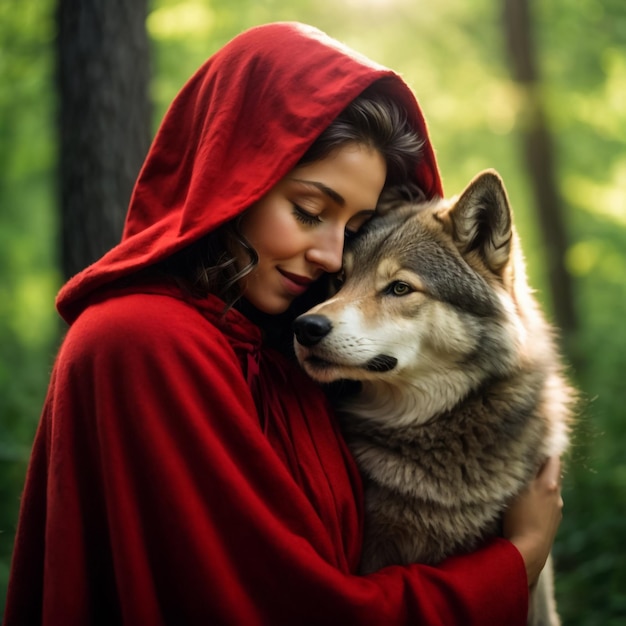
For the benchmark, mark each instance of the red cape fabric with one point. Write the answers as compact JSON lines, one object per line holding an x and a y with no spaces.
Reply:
{"x":183,"y":472}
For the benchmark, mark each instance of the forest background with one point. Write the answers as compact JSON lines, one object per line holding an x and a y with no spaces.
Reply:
{"x":552,"y":123}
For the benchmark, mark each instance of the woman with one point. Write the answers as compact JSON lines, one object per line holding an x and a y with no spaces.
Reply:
{"x":187,"y":472}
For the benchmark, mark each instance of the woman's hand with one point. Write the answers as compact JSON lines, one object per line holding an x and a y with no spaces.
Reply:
{"x":533,"y":518}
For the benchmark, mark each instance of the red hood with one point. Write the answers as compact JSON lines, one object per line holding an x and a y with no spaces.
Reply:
{"x":235,"y":129}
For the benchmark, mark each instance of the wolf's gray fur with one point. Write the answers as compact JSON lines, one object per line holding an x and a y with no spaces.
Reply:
{"x":462,"y":396}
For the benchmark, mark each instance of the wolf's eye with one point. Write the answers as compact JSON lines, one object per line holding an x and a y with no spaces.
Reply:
{"x":399,"y":288}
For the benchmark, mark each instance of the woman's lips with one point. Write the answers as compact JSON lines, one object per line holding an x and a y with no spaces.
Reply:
{"x":295,"y":283}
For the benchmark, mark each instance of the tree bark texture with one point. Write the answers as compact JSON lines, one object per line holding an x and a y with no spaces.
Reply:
{"x":539,"y":158}
{"x":104,"y":121}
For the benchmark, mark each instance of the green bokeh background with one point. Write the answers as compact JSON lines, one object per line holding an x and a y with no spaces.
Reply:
{"x":453,"y":55}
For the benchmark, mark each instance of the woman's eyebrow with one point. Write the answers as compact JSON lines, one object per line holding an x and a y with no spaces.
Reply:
{"x":328,"y":191}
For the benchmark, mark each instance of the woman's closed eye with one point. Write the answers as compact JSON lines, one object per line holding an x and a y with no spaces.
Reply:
{"x":305,"y":217}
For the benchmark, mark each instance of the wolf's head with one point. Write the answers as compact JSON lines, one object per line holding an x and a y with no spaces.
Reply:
{"x":433,"y":296}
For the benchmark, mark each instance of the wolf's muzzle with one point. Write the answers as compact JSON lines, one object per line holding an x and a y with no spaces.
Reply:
{"x":311,"y":329}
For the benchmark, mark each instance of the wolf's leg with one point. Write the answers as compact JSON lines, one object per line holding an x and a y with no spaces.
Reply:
{"x":542,"y":609}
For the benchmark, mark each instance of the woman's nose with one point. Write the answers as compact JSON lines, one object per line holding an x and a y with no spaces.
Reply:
{"x":327,"y":251}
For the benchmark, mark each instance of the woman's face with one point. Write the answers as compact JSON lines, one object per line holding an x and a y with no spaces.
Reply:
{"x":299,"y":227}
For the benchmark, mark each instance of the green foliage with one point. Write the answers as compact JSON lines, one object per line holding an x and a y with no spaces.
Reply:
{"x":452,"y":54}
{"x":28,"y":275}
{"x":585,"y":76}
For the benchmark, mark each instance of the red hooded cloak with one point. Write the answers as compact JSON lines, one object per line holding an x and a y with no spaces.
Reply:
{"x":182,"y":472}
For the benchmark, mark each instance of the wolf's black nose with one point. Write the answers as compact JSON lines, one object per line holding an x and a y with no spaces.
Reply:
{"x":311,"y":329}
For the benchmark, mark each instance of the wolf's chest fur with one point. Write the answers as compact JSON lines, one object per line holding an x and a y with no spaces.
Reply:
{"x":443,"y":484}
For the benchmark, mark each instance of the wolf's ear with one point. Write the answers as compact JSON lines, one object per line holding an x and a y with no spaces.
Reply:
{"x":482,"y":221}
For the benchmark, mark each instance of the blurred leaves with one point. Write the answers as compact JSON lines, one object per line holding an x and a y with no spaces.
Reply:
{"x":28,"y":273}
{"x":452,"y":54}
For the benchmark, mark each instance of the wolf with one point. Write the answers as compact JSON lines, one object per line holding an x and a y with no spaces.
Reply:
{"x":460,"y":393}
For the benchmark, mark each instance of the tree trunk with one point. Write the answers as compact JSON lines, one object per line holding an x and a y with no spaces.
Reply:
{"x":539,"y":158}
{"x":104,"y":121}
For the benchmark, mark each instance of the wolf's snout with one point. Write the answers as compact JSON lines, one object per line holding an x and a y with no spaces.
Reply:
{"x":311,"y":329}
